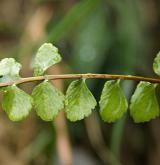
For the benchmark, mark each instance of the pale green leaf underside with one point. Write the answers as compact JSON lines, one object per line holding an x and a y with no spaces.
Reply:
{"x":48,"y":101}
{"x":9,"y":69}
{"x":16,"y":103}
{"x":113,"y":103}
{"x":156,"y":64}
{"x":79,"y":101}
{"x":46,"y":56}
{"x":144,"y":105}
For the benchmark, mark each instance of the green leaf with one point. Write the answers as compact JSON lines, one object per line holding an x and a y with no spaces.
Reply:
{"x":9,"y":69}
{"x":16,"y":103}
{"x":75,"y":16}
{"x":79,"y":101}
{"x":46,"y":56}
{"x":113,"y":103}
{"x":144,"y":105}
{"x":156,"y":64}
{"x":48,"y":101}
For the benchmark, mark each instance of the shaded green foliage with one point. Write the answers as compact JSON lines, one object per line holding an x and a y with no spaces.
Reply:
{"x":144,"y":105}
{"x":113,"y":103}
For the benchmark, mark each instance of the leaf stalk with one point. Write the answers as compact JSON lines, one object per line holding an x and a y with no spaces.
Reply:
{"x":77,"y":76}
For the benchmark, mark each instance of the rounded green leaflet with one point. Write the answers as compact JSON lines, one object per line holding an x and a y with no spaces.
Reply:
{"x":46,"y":56}
{"x":156,"y":64}
{"x":16,"y":103}
{"x":9,"y":69}
{"x":113,"y":103}
{"x":48,"y":101}
{"x":144,"y":105}
{"x":79,"y":101}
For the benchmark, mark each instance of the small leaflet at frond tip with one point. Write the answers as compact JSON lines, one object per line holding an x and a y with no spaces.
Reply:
{"x":46,"y":56}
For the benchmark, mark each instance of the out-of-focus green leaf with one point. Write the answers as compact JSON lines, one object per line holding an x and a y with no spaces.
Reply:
{"x":113,"y":103}
{"x":16,"y":103}
{"x":144,"y":105}
{"x":38,"y":145}
{"x":46,"y":56}
{"x":48,"y":101}
{"x":74,"y":16}
{"x":90,"y":46}
{"x":156,"y":64}
{"x":9,"y":69}
{"x":79,"y":101}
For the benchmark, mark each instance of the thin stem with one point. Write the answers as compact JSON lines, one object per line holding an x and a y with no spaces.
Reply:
{"x":75,"y":76}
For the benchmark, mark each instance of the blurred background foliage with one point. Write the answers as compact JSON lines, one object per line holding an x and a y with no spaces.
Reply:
{"x":120,"y":37}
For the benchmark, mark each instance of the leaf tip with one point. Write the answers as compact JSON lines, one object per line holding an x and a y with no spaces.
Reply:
{"x":156,"y":64}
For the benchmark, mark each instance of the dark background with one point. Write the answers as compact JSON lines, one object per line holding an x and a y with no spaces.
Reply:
{"x":103,"y":36}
